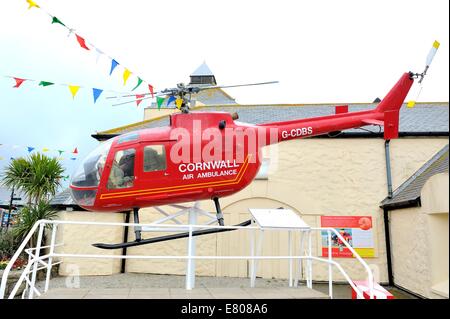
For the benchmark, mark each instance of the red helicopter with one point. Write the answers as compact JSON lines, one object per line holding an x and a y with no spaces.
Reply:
{"x":203,"y":155}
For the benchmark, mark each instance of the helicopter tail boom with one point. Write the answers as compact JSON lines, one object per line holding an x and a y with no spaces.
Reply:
{"x":386,"y":113}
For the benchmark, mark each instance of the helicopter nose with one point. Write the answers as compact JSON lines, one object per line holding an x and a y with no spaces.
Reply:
{"x":83,"y":197}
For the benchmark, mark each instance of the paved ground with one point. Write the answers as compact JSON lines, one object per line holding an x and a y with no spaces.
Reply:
{"x":181,"y":293}
{"x":138,"y":286}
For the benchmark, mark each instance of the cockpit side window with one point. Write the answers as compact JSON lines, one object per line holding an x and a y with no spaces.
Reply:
{"x":155,"y":158}
{"x":122,"y":170}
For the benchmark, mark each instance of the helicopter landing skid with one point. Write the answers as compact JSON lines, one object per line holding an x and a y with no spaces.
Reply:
{"x":166,"y":238}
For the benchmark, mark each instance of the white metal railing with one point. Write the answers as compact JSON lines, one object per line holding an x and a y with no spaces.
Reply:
{"x":46,"y":260}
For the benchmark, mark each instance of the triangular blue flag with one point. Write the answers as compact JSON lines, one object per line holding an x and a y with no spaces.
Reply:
{"x":114,"y":63}
{"x":73,"y":158}
{"x":30,"y":149}
{"x":96,"y":93}
{"x":170,"y":100}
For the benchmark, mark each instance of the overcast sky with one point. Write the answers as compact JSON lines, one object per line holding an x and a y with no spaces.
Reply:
{"x":320,"y":51}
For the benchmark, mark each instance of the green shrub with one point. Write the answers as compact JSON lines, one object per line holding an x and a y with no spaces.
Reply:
{"x":8,"y":244}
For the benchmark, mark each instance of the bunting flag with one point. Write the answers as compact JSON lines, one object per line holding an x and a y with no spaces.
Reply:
{"x":170,"y":100}
{"x":56,"y":20}
{"x":45,"y":83}
{"x":150,"y":88}
{"x":82,"y":42}
{"x":137,"y":85}
{"x":96,"y":93}
{"x":29,"y":149}
{"x":74,"y":89}
{"x":159,"y":101}
{"x":126,"y":75}
{"x":113,"y":66}
{"x":32,"y":4}
{"x":19,"y":82}
{"x":138,"y":99}
{"x":178,"y":103}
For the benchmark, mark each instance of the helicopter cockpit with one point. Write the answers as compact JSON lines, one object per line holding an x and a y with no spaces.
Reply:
{"x":87,"y":177}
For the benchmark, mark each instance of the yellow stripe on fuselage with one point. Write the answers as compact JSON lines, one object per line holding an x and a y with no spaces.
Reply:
{"x":179,"y":187}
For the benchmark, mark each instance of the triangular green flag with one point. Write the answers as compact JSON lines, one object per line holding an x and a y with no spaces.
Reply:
{"x":45,"y":83}
{"x":159,"y":101}
{"x":56,"y":20}
{"x":60,"y":152}
{"x":137,"y":85}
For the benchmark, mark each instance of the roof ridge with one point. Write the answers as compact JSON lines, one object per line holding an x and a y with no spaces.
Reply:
{"x":439,"y":156}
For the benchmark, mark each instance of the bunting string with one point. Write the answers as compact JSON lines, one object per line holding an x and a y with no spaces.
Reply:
{"x":72,"y":153}
{"x":73,"y":89}
{"x":88,"y":46}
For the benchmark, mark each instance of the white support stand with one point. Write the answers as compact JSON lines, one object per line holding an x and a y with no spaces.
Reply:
{"x":193,"y":213}
{"x":276,"y":219}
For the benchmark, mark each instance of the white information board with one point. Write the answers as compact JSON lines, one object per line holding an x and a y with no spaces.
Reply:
{"x":278,"y":218}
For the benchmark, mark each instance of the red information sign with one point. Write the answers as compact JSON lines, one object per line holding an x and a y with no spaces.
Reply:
{"x":356,"y":230}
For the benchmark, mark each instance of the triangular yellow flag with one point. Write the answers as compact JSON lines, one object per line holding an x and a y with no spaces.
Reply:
{"x":45,"y":149}
{"x":74,"y":89}
{"x":411,"y":104}
{"x":126,"y":75}
{"x":178,"y":103}
{"x":436,"y":44}
{"x":32,"y":4}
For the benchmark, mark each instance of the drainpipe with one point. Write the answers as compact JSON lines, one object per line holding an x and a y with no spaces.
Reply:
{"x":388,"y":246}
{"x":386,"y":214}
{"x":388,"y":167}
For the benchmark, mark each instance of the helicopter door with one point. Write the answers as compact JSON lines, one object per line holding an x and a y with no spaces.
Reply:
{"x":154,"y":158}
{"x":122,"y":170}
{"x":154,"y":165}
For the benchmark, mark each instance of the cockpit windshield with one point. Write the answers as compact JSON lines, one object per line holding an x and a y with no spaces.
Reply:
{"x":90,"y":170}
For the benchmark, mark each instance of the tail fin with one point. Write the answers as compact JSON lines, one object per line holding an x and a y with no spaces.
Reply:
{"x":390,"y":105}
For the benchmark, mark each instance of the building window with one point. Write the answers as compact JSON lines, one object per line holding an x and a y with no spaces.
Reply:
{"x":122,"y":170}
{"x":154,"y":158}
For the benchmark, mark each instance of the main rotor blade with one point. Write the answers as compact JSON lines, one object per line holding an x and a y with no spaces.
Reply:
{"x":129,"y":95}
{"x":234,"y":86}
{"x":135,"y":100}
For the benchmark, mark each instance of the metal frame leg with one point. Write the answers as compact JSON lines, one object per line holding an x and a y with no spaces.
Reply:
{"x":256,"y":261}
{"x":218,"y":211}
{"x":190,"y":268}
{"x":137,"y":229}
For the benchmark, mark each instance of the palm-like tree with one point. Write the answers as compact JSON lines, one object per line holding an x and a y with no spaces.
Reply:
{"x":38,"y":176}
{"x":29,"y":215}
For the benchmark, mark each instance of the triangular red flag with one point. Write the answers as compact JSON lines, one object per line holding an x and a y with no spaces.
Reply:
{"x":19,"y":82}
{"x":82,"y":42}
{"x":138,"y":97}
{"x":150,"y":87}
{"x":75,"y":151}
